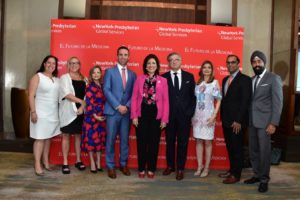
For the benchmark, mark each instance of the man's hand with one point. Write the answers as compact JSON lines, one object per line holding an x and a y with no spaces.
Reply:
{"x":236,"y":127}
{"x":271,"y":129}
{"x":122,"y":109}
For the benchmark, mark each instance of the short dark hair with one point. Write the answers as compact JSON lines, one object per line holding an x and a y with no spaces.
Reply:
{"x":122,"y":47}
{"x":232,"y":55}
{"x":42,"y":67}
{"x":148,"y":57}
{"x":92,"y":71}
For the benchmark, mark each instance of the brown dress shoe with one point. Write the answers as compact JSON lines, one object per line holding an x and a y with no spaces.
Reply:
{"x":231,"y":180}
{"x":125,"y":170}
{"x":224,"y":175}
{"x":168,"y":171}
{"x":111,"y":173}
{"x":179,"y":175}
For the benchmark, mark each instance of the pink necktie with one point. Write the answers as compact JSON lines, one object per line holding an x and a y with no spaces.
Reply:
{"x":124,"y":77}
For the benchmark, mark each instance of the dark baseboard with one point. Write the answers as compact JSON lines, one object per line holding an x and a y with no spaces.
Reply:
{"x":17,"y":145}
{"x":290,"y":145}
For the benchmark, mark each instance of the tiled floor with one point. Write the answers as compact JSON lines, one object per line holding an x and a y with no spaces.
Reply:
{"x":18,"y":181}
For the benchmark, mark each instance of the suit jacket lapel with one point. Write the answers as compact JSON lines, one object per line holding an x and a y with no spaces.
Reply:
{"x":262,"y":81}
{"x":117,"y":74}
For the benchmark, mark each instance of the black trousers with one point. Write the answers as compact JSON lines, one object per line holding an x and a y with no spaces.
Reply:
{"x":148,"y":137}
{"x":177,"y":129}
{"x":234,"y":144}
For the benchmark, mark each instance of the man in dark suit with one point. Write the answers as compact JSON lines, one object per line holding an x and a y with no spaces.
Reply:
{"x":265,"y":112}
{"x":118,"y":87}
{"x":182,"y":102}
{"x":236,"y":92}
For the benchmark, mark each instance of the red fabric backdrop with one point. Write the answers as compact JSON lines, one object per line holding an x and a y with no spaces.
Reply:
{"x":96,"y":41}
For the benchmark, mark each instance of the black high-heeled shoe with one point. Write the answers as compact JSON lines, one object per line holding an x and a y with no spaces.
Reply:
{"x":80,"y":166}
{"x":93,"y":171}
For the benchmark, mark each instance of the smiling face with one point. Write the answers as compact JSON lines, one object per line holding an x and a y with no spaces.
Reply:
{"x":232,"y":64}
{"x":151,"y":66}
{"x":123,"y":57}
{"x":96,"y":75}
{"x":207,"y":69}
{"x":74,"y":65}
{"x":50,"y":65}
{"x":258,"y":65}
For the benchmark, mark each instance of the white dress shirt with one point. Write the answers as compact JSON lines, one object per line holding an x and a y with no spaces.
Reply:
{"x":179,"y":72}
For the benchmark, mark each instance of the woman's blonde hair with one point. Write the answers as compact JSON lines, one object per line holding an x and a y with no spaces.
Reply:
{"x":68,"y":64}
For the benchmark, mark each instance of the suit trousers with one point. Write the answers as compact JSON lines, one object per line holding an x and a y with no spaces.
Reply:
{"x":178,"y":127}
{"x":234,"y":144}
{"x":260,"y":153}
{"x":148,"y":137}
{"x":117,"y":124}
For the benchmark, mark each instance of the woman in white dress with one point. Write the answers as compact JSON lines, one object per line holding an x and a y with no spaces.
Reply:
{"x":43,"y":102}
{"x":207,"y":92}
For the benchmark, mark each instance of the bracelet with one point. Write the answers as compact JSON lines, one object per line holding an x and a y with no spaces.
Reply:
{"x":32,"y":112}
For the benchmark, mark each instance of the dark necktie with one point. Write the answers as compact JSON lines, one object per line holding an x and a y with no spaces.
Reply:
{"x":176,"y":82}
{"x":255,"y":84}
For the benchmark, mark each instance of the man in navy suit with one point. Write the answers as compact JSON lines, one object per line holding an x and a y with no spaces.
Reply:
{"x":236,"y":97}
{"x":182,"y":102}
{"x":117,"y":88}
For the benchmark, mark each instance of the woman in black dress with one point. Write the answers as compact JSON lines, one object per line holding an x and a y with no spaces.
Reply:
{"x":72,"y":90}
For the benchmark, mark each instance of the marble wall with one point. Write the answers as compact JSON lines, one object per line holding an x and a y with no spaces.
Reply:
{"x":26,"y":43}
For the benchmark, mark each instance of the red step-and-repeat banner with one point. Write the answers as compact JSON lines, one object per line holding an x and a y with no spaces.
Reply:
{"x":95,"y":42}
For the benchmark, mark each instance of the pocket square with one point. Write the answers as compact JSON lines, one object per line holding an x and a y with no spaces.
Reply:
{"x":187,"y":81}
{"x":262,"y":85}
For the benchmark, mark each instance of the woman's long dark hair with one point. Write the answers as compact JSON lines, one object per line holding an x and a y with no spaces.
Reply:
{"x":42,"y":67}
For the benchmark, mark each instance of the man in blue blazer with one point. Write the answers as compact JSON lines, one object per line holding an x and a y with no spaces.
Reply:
{"x":265,"y":112}
{"x":117,"y":88}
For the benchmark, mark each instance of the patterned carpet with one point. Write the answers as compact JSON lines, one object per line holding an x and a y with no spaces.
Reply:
{"x":18,"y":181}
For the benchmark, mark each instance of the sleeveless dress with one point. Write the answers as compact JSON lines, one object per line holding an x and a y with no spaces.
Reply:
{"x":205,"y":93}
{"x":46,"y":107}
{"x":93,"y":131}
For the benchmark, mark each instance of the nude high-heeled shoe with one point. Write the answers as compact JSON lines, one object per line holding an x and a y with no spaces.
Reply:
{"x":204,"y":173}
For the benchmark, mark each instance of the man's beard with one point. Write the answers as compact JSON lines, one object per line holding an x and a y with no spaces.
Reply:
{"x":258,"y":70}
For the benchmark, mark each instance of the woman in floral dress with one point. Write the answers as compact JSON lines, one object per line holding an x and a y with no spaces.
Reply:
{"x":207,"y":92}
{"x":93,"y":130}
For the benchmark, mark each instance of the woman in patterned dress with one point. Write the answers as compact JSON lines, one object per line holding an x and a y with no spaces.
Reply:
{"x":207,"y":91}
{"x":93,"y":130}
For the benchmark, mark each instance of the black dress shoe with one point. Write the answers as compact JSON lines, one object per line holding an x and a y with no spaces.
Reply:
{"x":251,"y":180}
{"x":263,"y":187}
{"x":179,"y":175}
{"x":168,"y":171}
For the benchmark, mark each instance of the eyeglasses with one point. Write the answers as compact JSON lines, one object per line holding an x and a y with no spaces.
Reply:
{"x":74,"y":63}
{"x":231,"y":62}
